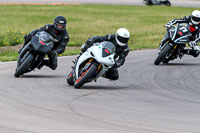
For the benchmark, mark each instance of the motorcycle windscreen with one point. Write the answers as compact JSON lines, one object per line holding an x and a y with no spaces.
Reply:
{"x":41,"y":46}
{"x":107,"y":48}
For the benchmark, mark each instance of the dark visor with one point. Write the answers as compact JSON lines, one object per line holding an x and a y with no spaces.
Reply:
{"x":63,"y":26}
{"x":196,"y":19}
{"x":122,"y":39}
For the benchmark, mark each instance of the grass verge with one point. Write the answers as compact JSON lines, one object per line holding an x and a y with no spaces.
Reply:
{"x":144,"y":22}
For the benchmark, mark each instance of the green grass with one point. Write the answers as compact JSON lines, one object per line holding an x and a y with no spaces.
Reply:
{"x":8,"y":55}
{"x":144,"y":22}
{"x":11,"y":37}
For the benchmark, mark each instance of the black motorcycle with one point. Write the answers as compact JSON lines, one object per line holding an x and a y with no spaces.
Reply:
{"x":157,"y":2}
{"x":34,"y":53}
{"x":173,"y":48}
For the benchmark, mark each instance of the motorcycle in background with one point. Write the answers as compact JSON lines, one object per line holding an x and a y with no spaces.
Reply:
{"x":173,"y":48}
{"x":34,"y":53}
{"x":92,"y":64}
{"x":157,"y":2}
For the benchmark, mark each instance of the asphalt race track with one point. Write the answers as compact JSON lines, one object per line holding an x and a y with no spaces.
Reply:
{"x":146,"y":99}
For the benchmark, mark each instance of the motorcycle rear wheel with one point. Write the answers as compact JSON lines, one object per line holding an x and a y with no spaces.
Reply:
{"x":85,"y":76}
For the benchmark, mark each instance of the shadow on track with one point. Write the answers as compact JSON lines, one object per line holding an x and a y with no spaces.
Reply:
{"x":43,"y":76}
{"x":101,"y":87}
{"x":180,"y":64}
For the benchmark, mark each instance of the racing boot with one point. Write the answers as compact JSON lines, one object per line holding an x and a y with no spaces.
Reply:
{"x":194,"y":53}
{"x":53,"y":60}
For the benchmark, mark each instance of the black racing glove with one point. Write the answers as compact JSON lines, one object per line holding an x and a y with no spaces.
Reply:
{"x":28,"y":37}
{"x":53,"y":53}
{"x":89,"y":42}
{"x":169,"y":25}
{"x":193,"y":43}
{"x":117,"y":64}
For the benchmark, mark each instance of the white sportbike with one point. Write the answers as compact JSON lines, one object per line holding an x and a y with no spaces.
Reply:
{"x":92,"y":64}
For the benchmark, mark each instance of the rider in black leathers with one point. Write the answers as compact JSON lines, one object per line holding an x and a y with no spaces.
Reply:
{"x":120,"y":40}
{"x":194,"y":23}
{"x":61,"y":38}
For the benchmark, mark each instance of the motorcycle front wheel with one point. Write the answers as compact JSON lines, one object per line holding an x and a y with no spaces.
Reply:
{"x":24,"y":65}
{"x":162,"y":54}
{"x":85,"y":76}
{"x":70,"y":80}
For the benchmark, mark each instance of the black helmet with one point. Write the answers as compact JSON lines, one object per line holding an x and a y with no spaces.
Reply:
{"x":60,"y":21}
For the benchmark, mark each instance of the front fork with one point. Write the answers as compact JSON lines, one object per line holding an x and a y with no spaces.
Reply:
{"x":177,"y":51}
{"x":85,"y":68}
{"x":80,"y":71}
{"x":24,"y":50}
{"x":23,"y":54}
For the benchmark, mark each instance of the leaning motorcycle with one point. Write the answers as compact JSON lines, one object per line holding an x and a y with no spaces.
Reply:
{"x":173,"y":48}
{"x":34,"y":53}
{"x":157,"y":2}
{"x":92,"y":64}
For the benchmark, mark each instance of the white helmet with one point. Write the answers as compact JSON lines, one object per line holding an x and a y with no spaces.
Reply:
{"x":195,"y":17}
{"x":122,"y":36}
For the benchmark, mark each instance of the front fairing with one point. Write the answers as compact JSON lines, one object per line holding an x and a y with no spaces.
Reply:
{"x":95,"y":52}
{"x":42,"y":44}
{"x":180,"y":33}
{"x":172,"y":33}
{"x":182,"y":40}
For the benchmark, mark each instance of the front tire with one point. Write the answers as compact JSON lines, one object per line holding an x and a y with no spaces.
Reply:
{"x":24,"y":65}
{"x":162,"y":54}
{"x":85,"y":76}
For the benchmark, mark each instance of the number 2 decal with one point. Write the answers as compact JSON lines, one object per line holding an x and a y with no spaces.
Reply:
{"x":183,"y":29}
